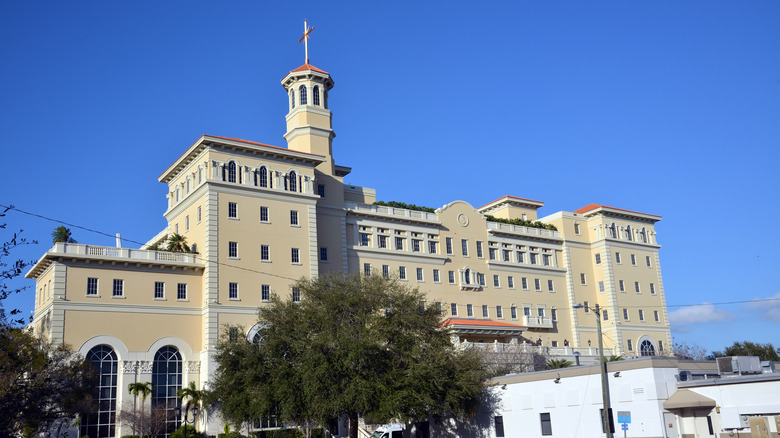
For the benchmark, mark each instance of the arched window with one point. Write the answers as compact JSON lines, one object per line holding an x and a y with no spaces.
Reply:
{"x":263,"y":177}
{"x":292,"y":183}
{"x":646,"y":348}
{"x":643,"y":235}
{"x":613,"y":231}
{"x":166,"y":380}
{"x":102,"y":423}
{"x":629,"y":233}
{"x":467,"y":276}
{"x":292,"y":97}
{"x":302,"y":92}
{"x":231,"y":172}
{"x":316,"y":95}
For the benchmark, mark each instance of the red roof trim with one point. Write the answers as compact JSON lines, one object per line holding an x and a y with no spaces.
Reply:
{"x":591,"y":207}
{"x":513,"y":197}
{"x":306,"y":67}
{"x":480,"y":322}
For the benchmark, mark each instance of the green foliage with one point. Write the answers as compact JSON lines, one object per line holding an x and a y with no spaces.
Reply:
{"x":747,"y":348}
{"x":191,"y":432}
{"x":62,"y":234}
{"x":552,"y":364}
{"x":177,"y":243}
{"x":613,"y":358}
{"x":396,"y":204}
{"x":229,"y":435}
{"x":353,"y":345}
{"x":10,"y":271}
{"x":523,"y":222}
{"x":130,"y":436}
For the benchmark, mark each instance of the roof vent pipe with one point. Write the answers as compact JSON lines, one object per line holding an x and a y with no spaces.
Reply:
{"x":118,"y":240}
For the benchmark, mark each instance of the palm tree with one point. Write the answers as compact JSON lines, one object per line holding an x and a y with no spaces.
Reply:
{"x":62,"y":234}
{"x":193,"y":395}
{"x":552,"y":364}
{"x":145,"y":389}
{"x":613,"y":358}
{"x":178,"y":243}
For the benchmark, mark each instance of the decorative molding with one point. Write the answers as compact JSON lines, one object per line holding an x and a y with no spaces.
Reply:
{"x":193,"y":367}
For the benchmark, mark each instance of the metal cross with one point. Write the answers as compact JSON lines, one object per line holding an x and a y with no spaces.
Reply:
{"x":305,"y":38}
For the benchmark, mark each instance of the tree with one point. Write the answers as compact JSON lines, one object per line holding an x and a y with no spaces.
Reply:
{"x":9,"y":272}
{"x":152,"y":424}
{"x":747,"y":348}
{"x":144,"y":390}
{"x":193,"y":395}
{"x":178,"y":243}
{"x":684,"y":351}
{"x":353,"y":346}
{"x":62,"y":234}
{"x":553,"y":364}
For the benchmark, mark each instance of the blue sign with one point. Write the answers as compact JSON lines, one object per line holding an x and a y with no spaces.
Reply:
{"x":624,"y":417}
{"x":625,"y":426}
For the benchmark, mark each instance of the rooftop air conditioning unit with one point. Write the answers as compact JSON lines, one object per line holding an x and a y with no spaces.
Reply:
{"x":767,"y":366}
{"x":739,"y":365}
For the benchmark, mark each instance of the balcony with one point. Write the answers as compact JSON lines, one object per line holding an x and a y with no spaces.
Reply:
{"x":538,"y":322}
{"x":392,"y":212}
{"x":523,"y":231}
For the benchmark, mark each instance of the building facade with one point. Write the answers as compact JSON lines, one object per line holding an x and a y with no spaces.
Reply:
{"x":258,"y":217}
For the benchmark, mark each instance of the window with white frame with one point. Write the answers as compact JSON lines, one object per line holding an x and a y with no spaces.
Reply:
{"x":451,"y":277}
{"x":550,"y":286}
{"x":526,"y":310}
{"x":647,"y":258}
{"x":554,"y":314}
{"x":265,"y":292}
{"x":119,"y":288}
{"x":367,"y":269}
{"x":485,"y":311}
{"x":546,"y":259}
{"x":448,"y":244}
{"x":621,"y":284}
{"x":625,"y":314}
{"x":264,"y":214}
{"x":295,"y":256}
{"x":652,"y":289}
{"x":513,"y":311}
{"x":232,"y":210}
{"x":469,"y":310}
{"x":633,"y":259}
{"x":431,"y":247}
{"x":507,"y":255}
{"x":617,"y":258}
{"x":636,"y":286}
{"x":533,"y":258}
{"x":520,"y":257}
{"x":582,"y":279}
{"x":265,"y":253}
{"x":402,"y":272}
{"x":586,"y":305}
{"x":385,"y":271}
{"x":187,"y":223}
{"x":302,"y":94}
{"x":641,"y":315}
{"x":292,"y":181}
{"x":453,"y":309}
{"x":365,"y":239}
{"x":436,"y":276}
{"x":598,"y":259}
{"x":481,"y":279}
{"x":496,"y":282}
{"x":524,"y":283}
{"x":316,"y":95}
{"x":630,"y":345}
{"x":510,"y":282}
{"x":200,"y":215}
{"x":233,"y":291}
{"x":399,"y":243}
{"x":479,"y":249}
{"x":537,"y":284}
{"x":576,"y":228}
{"x":262,"y":177}
{"x":296,"y":294}
{"x":159,"y":290}
{"x":499,"y":312}
{"x":601,"y":286}
{"x":233,"y":250}
{"x":604,"y":315}
{"x":181,"y":291}
{"x":464,"y":247}
{"x":416,"y":245}
{"x":293,"y":218}
{"x":419,"y":274}
{"x":655,"y":316}
{"x":492,"y":253}
{"x":92,"y":286}
{"x":540,"y":312}
{"x":382,"y":241}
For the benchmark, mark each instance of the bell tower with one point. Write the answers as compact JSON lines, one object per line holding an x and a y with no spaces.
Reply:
{"x":309,"y":127}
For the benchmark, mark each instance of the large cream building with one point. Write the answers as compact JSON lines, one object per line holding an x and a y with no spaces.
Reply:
{"x":259,"y":217}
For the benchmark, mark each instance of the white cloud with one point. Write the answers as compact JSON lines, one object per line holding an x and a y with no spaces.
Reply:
{"x":766,"y":308}
{"x":697,"y":314}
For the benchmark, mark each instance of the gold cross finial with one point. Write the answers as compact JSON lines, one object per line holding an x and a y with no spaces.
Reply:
{"x":305,"y":38}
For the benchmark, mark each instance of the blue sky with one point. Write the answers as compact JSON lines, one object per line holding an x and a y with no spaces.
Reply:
{"x":670,"y":108}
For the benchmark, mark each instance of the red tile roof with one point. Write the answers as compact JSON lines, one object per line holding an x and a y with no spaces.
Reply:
{"x":479,"y":322}
{"x":305,"y":67}
{"x":512,"y":197}
{"x":590,"y":207}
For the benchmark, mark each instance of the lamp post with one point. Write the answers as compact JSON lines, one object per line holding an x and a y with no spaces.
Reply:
{"x":603,"y":365}
{"x":178,"y":411}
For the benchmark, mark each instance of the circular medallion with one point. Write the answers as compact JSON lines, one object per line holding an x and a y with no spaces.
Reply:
{"x":463,"y":220}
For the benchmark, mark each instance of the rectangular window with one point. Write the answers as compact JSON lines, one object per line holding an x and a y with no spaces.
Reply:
{"x":365,"y":239}
{"x":435,"y":275}
{"x":499,"y":422}
{"x":416,"y":245}
{"x":514,"y":312}
{"x":550,"y":286}
{"x":469,"y":310}
{"x":647,"y":258}
{"x":554,"y":314}
{"x":479,"y":249}
{"x":181,"y":291}
{"x":402,"y":272}
{"x":119,"y":288}
{"x":383,"y":241}
{"x":601,"y":286}
{"x":176,"y":228}
{"x":492,"y":253}
{"x":598,"y":259}
{"x":625,"y":314}
{"x":448,"y":242}
{"x":454,"y":309}
{"x":499,"y":312}
{"x":533,"y":258}
{"x":582,"y":279}
{"x":263,"y":214}
{"x":524,"y":282}
{"x":321,"y":190}
{"x":385,"y":271}
{"x":265,"y":292}
{"x":451,"y":277}
{"x":419,"y":274}
{"x":633,"y":259}
{"x":617,"y":258}
{"x":496,"y":281}
{"x":485,"y":311}
{"x":92,"y":286}
{"x":520,"y":258}
{"x":265,"y":253}
{"x":636,"y":286}
{"x":507,"y":255}
{"x":295,"y":256}
{"x":604,"y":315}
{"x":587,"y":306}
{"x":159,"y":290}
{"x":293,"y":218}
{"x":537,"y":284}
{"x":431,"y":247}
{"x":655,"y":316}
{"x":481,"y":278}
{"x":540,"y":311}
{"x":652,"y":289}
{"x":232,"y":210}
{"x":510,"y":282}
{"x":464,"y":247}
{"x":630,"y":345}
{"x":576,"y":228}
{"x":546,"y":259}
{"x":323,"y":254}
{"x":526,"y":311}
{"x":233,"y":250}
{"x":546,"y":423}
{"x":622,"y":285}
{"x":641,"y":315}
{"x":187,"y":223}
{"x":399,"y":243}
{"x":296,"y":294}
{"x":200,"y":216}
{"x":660,"y":345}
{"x":367,"y":269}
{"x":233,"y":291}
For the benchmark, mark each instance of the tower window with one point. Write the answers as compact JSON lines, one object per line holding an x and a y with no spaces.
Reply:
{"x":316,"y":95}
{"x":302,"y":92}
{"x":292,"y":97}
{"x":229,"y":172}
{"x":292,"y":182}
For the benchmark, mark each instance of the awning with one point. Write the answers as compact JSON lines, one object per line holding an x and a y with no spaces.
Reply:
{"x":685,"y":398}
{"x":483,"y":327}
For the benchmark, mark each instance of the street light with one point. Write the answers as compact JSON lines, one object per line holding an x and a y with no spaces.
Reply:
{"x":178,"y":411}
{"x":603,"y":364}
